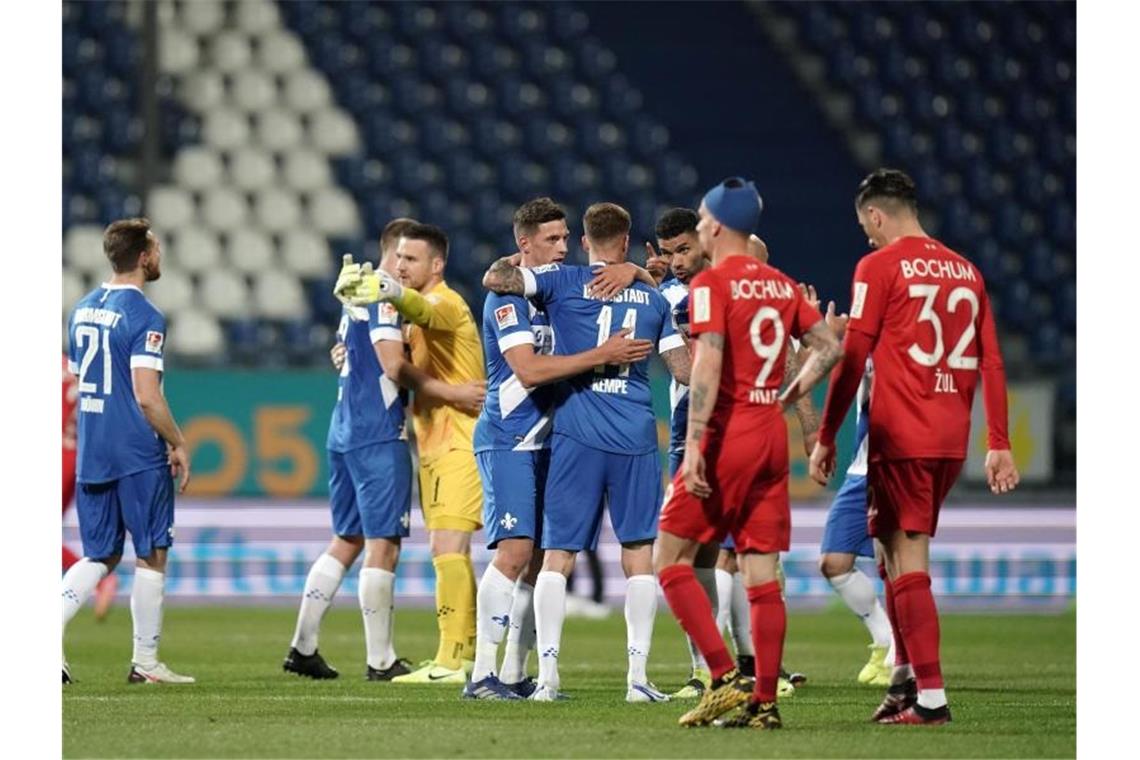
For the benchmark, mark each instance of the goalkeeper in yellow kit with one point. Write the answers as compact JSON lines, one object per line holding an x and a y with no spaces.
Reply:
{"x":444,"y":343}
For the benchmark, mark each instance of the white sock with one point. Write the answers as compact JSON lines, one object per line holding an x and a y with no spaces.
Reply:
{"x":890,"y":658}
{"x":640,"y":613}
{"x":741,"y":617}
{"x":78,"y":583}
{"x":549,"y":613}
{"x":375,"y":592}
{"x":858,"y":593}
{"x":320,"y":587}
{"x":146,"y":614}
{"x":931,"y":698}
{"x":520,"y":638}
{"x":723,"y":599}
{"x":492,"y":618}
{"x":706,"y":576}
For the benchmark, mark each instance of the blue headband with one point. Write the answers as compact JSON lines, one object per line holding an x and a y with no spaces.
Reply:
{"x":735,"y":204}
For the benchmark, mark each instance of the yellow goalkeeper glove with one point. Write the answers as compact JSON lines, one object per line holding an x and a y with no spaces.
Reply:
{"x":373,"y":287}
{"x":347,"y":279}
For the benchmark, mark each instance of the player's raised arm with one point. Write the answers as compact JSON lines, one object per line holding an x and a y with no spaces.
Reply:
{"x":614,"y":278}
{"x":147,"y":384}
{"x":504,"y":276}
{"x":1001,"y":471}
{"x":534,"y":369}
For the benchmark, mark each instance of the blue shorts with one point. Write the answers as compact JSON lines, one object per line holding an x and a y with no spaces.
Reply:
{"x":675,"y":459}
{"x":846,"y":528}
{"x":513,"y":486}
{"x":141,"y":503}
{"x":583,"y":479}
{"x":370,"y":490}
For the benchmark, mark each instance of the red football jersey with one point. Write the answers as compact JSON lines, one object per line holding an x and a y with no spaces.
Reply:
{"x":70,"y":398}
{"x":925,"y":309}
{"x":757,"y":308}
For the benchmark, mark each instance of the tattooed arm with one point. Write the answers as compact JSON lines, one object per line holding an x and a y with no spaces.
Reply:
{"x":805,"y":410}
{"x":825,"y":353}
{"x":504,"y":276}
{"x":703,"y":386}
{"x":679,"y":364}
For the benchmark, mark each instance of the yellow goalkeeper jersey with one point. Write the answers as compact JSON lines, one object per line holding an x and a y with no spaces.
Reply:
{"x":445,"y":343}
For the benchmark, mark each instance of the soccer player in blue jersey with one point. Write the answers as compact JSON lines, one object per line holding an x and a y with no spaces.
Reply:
{"x":370,"y":478}
{"x":512,"y":448}
{"x":845,"y":538}
{"x":129,"y":445}
{"x":604,"y":446}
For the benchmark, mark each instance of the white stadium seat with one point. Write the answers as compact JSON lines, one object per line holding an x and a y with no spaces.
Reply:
{"x":333,"y":132}
{"x":202,"y":17}
{"x":257,"y":16}
{"x":73,"y":289}
{"x":172,"y":291}
{"x":278,"y":295}
{"x":332,"y":211}
{"x":306,"y":170}
{"x":277,"y":209}
{"x":253,"y":90}
{"x":83,"y":249}
{"x":252,"y":169}
{"x":280,"y":51}
{"x":249,"y":250}
{"x":203,"y":90}
{"x":278,"y":130}
{"x":306,"y":254}
{"x":197,"y":167}
{"x":195,"y":334}
{"x":196,"y":249}
{"x":231,"y":51}
{"x":223,"y":293}
{"x":226,"y":128}
{"x":224,"y":208}
{"x":169,"y":207}
{"x":306,"y":90}
{"x":177,"y":52}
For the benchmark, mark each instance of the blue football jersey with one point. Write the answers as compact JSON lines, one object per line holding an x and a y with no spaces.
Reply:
{"x":514,"y":416}
{"x":677,"y":294}
{"x":862,"y":422}
{"x":112,"y":330}
{"x":369,"y":406}
{"x":610,"y":407}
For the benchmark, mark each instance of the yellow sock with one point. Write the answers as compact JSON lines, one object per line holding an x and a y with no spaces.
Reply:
{"x":454,"y":609}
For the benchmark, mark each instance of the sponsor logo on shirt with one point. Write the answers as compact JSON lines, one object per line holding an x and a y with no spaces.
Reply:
{"x":154,"y":342}
{"x":858,"y":299}
{"x":700,"y":310}
{"x":544,"y":268}
{"x":505,"y":316}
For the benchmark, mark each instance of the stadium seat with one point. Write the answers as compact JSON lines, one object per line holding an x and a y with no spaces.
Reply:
{"x":278,"y":130}
{"x":173,"y":291}
{"x":178,"y":52}
{"x":224,"y":208}
{"x":280,"y":51}
{"x":195,"y":249}
{"x":278,"y":295}
{"x":332,"y":212}
{"x":226,"y":129}
{"x":305,"y":252}
{"x":306,"y":91}
{"x":203,"y":90}
{"x":333,"y":132}
{"x":249,"y":251}
{"x":253,"y":90}
{"x":256,"y":16}
{"x":197,"y":168}
{"x":202,"y":17}
{"x":196,"y":336}
{"x":251,"y":169}
{"x":231,"y":51}
{"x":224,"y":293}
{"x":276,"y":209}
{"x":170,"y":207}
{"x":306,"y":170}
{"x":74,"y":288}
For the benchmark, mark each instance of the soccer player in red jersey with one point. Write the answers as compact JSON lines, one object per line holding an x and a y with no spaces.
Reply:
{"x":105,"y":591}
{"x":920,"y":311}
{"x":734,"y":477}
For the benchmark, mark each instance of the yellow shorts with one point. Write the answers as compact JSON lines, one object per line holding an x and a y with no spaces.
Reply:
{"x":451,"y":492}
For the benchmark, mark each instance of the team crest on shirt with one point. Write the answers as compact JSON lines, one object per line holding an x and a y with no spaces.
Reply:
{"x":154,"y":342}
{"x":858,"y":299}
{"x":506,"y":316}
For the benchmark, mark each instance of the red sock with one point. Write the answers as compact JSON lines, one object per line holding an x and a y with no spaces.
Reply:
{"x":690,"y":605}
{"x":901,"y":656}
{"x":69,"y":558}
{"x":769,"y":624}
{"x":918,"y":619}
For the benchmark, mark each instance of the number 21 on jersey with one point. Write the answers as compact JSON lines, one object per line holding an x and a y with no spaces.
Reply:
{"x":88,"y":339}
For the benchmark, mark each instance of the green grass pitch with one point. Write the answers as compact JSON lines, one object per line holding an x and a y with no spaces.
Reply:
{"x":1011,"y":680}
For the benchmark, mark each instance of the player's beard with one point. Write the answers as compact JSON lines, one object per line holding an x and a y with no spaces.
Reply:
{"x":152,"y":272}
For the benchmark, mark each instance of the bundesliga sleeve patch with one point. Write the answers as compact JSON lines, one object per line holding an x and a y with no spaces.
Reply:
{"x":505,"y":316}
{"x":699,"y":308}
{"x":387,"y":314}
{"x":154,"y":342}
{"x":858,"y":299}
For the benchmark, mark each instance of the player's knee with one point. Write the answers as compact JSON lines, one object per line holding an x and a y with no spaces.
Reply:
{"x":110,"y":562}
{"x":726,"y":561}
{"x":513,"y":557}
{"x":558,"y":561}
{"x":382,"y":553}
{"x":832,"y":565}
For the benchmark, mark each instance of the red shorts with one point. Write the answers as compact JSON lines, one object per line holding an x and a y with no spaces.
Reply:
{"x":748,"y":474}
{"x":906,"y":494}
{"x":68,"y":477}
